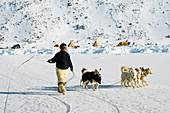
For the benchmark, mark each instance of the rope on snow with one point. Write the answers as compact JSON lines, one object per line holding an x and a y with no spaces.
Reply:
{"x":6,"y":101}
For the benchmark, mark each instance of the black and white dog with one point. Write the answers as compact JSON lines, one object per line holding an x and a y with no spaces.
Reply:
{"x":94,"y":77}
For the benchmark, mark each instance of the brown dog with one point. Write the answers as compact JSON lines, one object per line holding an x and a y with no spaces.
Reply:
{"x":144,"y":74}
{"x":138,"y":76}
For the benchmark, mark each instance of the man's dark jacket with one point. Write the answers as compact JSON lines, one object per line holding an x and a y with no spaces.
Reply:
{"x":62,"y":60}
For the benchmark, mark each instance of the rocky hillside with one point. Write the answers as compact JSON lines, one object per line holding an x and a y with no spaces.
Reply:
{"x":57,"y":20}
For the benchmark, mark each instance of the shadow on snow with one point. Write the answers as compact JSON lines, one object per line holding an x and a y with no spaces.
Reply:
{"x":42,"y":91}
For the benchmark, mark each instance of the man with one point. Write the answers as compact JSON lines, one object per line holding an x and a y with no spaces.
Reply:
{"x":63,"y":62}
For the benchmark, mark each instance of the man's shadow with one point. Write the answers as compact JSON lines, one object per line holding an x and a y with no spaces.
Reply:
{"x":54,"y":90}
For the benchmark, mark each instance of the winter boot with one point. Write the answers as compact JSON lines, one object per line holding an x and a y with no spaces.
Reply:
{"x":61,"y":88}
{"x":64,"y":89}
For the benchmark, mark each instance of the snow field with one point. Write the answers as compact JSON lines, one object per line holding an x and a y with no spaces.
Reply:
{"x":34,"y":89}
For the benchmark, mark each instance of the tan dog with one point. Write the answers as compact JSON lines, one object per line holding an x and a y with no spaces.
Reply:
{"x":138,"y":76}
{"x":125,"y":69}
{"x":145,"y":73}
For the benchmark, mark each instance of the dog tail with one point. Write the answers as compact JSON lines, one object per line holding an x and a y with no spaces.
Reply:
{"x":84,"y":70}
{"x":124,"y":69}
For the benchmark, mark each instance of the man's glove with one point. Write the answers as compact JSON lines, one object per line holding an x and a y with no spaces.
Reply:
{"x":71,"y":69}
{"x":49,"y":61}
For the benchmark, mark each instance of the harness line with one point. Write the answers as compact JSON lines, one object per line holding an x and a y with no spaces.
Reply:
{"x":71,"y":77}
{"x":72,"y":71}
{"x":41,"y":58}
{"x":9,"y":84}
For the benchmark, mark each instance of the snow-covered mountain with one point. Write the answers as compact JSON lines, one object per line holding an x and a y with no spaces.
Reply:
{"x":45,"y":22}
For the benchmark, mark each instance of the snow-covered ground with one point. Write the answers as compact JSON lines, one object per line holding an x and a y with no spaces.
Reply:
{"x":91,"y":50}
{"x":33,"y":86}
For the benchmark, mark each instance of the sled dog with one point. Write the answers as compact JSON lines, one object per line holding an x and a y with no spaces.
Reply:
{"x":129,"y":78}
{"x":138,"y":76}
{"x":94,"y":77}
{"x":145,"y":73}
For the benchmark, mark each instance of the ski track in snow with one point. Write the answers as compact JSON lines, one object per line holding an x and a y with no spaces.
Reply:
{"x":66,"y":104}
{"x":117,"y":109}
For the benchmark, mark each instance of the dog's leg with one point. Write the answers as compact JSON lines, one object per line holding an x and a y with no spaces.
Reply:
{"x":93,"y":87}
{"x":138,"y":78}
{"x":97,"y":85}
{"x":85,"y":84}
{"x":93,"y":82}
{"x":138,"y":83}
{"x":134,"y":80}
{"x":121,"y":82}
{"x":145,"y":82}
{"x":129,"y":83}
{"x":134,"y":83}
{"x":142,"y":79}
{"x":86,"y":87}
{"x":125,"y":83}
